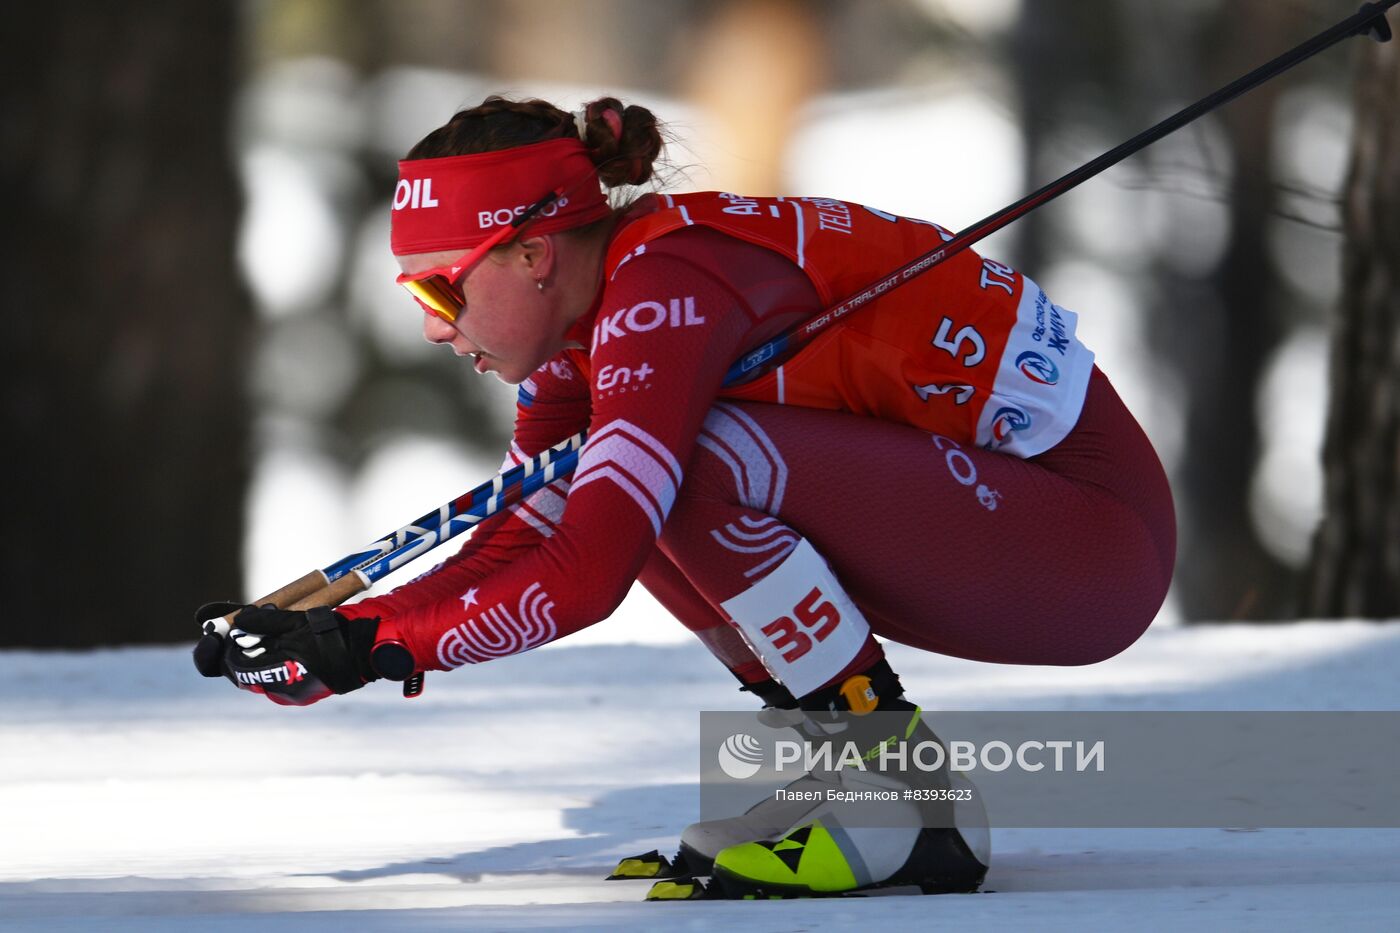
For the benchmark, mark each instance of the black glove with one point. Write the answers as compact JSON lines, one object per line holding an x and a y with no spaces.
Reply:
{"x":292,"y":658}
{"x":209,"y":650}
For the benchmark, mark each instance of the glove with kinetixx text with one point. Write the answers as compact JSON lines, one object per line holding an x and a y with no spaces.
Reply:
{"x":296,"y":658}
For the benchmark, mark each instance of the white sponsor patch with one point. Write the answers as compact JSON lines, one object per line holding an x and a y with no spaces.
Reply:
{"x":1041,"y":379}
{"x":800,"y":622}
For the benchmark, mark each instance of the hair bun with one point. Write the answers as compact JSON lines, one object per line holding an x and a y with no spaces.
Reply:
{"x":623,"y":142}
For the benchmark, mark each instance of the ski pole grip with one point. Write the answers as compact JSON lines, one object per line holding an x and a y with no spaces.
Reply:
{"x":333,"y":595}
{"x":298,"y":589}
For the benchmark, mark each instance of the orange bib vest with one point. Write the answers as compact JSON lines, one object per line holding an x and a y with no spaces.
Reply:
{"x":971,"y":350}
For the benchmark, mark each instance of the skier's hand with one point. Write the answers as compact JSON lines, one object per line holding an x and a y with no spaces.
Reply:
{"x":209,"y":650}
{"x":292,"y":658}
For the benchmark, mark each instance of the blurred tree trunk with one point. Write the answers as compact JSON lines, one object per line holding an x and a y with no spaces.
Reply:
{"x":126,"y":321}
{"x":1355,"y":568}
{"x":1090,"y":64}
{"x":1224,"y":571}
{"x":1071,"y":71}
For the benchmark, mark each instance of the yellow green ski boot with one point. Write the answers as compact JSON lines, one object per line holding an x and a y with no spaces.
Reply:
{"x":823,"y":859}
{"x":868,"y":834}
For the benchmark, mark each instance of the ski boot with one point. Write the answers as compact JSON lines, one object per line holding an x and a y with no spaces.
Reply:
{"x":870,"y":839}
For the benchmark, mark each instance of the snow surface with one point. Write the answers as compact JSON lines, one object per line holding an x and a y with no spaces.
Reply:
{"x":134,"y":795}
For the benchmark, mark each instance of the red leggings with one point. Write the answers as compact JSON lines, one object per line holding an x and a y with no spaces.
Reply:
{"x":1061,"y":559}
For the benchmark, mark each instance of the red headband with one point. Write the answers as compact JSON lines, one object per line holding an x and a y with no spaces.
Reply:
{"x":456,"y":202}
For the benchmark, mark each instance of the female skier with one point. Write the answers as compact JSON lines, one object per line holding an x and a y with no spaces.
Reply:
{"x":947,"y":469}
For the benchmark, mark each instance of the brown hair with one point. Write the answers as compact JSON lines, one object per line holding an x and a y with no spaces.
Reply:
{"x":622,"y":158}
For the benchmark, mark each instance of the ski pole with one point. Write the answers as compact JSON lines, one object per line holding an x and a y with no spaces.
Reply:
{"x":465,"y":511}
{"x":365,"y":575}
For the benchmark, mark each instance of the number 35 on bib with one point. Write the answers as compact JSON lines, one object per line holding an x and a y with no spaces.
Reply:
{"x":800,"y":622}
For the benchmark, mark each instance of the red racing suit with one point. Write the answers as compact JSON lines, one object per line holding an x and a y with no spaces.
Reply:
{"x":971,"y":358}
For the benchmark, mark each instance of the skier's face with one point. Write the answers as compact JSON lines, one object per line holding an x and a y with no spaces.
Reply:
{"x":509,"y":325}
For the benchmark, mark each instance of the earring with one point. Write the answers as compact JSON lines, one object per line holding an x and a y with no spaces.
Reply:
{"x":539,"y":283}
